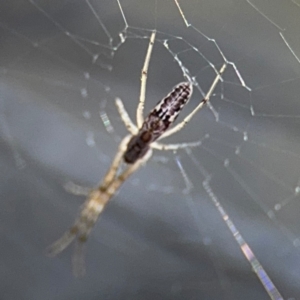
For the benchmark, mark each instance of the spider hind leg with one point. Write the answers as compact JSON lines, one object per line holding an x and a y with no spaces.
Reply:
{"x":62,"y":243}
{"x":80,"y":230}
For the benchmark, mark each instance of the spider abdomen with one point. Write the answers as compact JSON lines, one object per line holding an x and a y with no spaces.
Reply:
{"x":158,"y":121}
{"x":167,"y":110}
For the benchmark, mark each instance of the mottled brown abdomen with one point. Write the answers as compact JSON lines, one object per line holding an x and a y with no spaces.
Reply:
{"x":160,"y":118}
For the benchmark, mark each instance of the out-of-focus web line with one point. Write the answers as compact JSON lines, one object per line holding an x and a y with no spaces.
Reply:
{"x":265,"y":16}
{"x":248,"y":253}
{"x":123,"y":15}
{"x":254,"y":113}
{"x":77,"y":39}
{"x":8,"y":137}
{"x":24,"y":54}
{"x":289,"y":47}
{"x":99,"y":21}
{"x":66,"y":32}
{"x":252,"y":194}
{"x":188,"y":182}
{"x":39,"y":45}
{"x":294,"y":190}
{"x":296,"y":3}
{"x":269,"y":212}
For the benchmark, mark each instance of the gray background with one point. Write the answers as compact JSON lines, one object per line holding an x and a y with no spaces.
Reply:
{"x":153,"y":241}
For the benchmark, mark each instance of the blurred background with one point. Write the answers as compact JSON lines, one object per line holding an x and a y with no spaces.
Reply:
{"x":62,"y":64}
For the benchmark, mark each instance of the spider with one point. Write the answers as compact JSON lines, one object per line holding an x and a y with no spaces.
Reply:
{"x":135,"y":150}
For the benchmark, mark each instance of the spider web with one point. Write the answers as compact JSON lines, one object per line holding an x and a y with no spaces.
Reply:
{"x":220,"y":221}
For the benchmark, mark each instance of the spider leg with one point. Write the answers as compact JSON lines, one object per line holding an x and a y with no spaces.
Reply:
{"x":76,"y":189}
{"x":78,"y":262}
{"x":94,"y":203}
{"x":114,"y":186}
{"x":174,"y":147}
{"x":200,"y":105}
{"x":125,"y":117}
{"x":94,"y":206}
{"x":111,"y":173}
{"x":81,"y":228}
{"x":140,"y":109}
{"x":62,"y":243}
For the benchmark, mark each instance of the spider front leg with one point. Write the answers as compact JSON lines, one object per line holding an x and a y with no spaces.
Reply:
{"x":140,"y":109}
{"x":125,"y":117}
